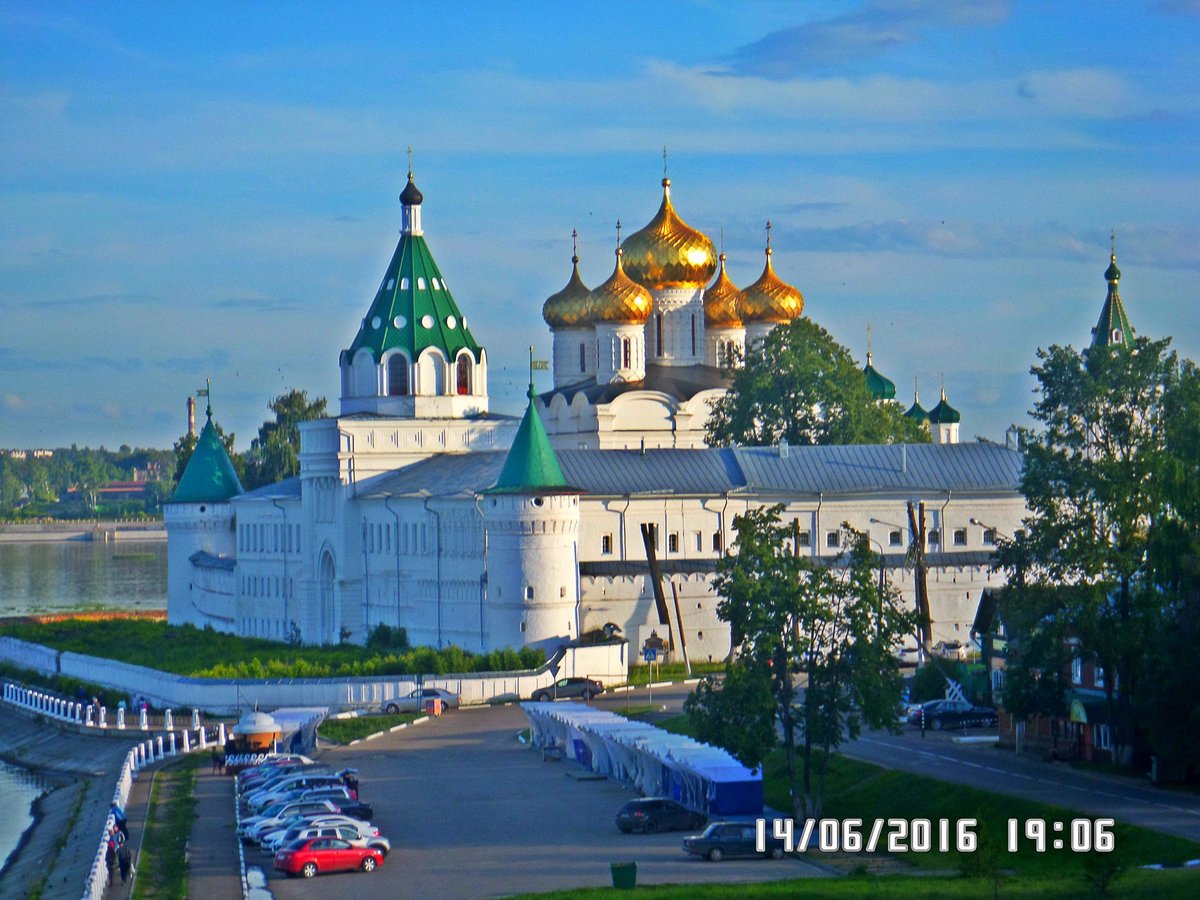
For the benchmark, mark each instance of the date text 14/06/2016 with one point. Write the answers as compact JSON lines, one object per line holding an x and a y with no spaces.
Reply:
{"x":930,"y":835}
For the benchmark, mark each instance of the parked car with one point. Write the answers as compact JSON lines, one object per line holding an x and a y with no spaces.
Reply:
{"x":566,"y":688}
{"x":729,"y":839}
{"x":290,"y":790}
{"x":953,"y":714}
{"x":369,"y":837}
{"x":651,"y":814}
{"x":276,"y":838}
{"x":415,"y":701}
{"x":355,"y":809}
{"x":951,"y":649}
{"x":246,"y":787}
{"x":310,"y":856}
{"x":281,"y":811}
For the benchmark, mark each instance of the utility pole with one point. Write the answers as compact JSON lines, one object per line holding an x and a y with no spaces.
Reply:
{"x":916,"y":523}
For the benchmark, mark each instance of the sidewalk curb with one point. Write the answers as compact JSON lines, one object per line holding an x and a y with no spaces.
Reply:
{"x":394,"y":728}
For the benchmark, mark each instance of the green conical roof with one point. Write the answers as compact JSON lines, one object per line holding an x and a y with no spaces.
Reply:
{"x":944,"y":413}
{"x":917,"y":411}
{"x":413,"y":308}
{"x":531,"y":465}
{"x":881,"y":387}
{"x":1113,"y":327}
{"x":209,"y":476}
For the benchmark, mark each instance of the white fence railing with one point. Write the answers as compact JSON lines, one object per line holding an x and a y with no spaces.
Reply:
{"x":152,"y":749}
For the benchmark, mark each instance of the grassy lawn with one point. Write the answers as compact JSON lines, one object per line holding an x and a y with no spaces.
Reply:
{"x":343,"y":731}
{"x":1139,"y":883}
{"x":861,"y":790}
{"x":672,"y":672}
{"x":162,"y":870}
{"x":204,"y":653}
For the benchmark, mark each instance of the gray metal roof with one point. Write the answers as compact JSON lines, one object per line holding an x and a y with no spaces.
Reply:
{"x":880,"y":468}
{"x":289,"y":487}
{"x":917,"y":468}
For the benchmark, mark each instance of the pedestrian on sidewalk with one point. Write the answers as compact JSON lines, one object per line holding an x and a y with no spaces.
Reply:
{"x":120,"y":820}
{"x":216,"y":760}
{"x":125,"y":861}
{"x":110,"y":858}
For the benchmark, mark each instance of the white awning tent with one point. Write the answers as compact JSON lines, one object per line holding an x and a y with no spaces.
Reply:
{"x":654,"y":762}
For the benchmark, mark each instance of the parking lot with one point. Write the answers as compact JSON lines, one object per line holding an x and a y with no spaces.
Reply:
{"x":472,"y":812}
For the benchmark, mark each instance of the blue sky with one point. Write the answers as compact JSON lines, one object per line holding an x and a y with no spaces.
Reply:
{"x":213,"y":194}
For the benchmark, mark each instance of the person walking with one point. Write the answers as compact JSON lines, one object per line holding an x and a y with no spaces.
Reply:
{"x":110,"y":855}
{"x":120,"y":820}
{"x":217,"y":762}
{"x":124,"y":861}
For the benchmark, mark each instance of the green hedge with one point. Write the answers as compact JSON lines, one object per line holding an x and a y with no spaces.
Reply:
{"x":204,"y":653}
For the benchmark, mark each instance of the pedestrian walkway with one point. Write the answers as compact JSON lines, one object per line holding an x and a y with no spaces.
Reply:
{"x":214,"y":869}
{"x":136,"y":808}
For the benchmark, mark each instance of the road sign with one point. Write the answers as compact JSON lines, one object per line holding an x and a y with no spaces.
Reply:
{"x":650,"y":654}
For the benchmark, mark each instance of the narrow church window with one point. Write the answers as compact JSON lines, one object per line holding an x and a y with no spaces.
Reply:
{"x":606,"y":544}
{"x":673,"y":542}
{"x":464,"y":374}
{"x":625,"y":354}
{"x":699,"y":540}
{"x":582,"y":358}
{"x":716,"y":542}
{"x":562,"y":592}
{"x":693,"y":334}
{"x":528,"y":594}
{"x":658,"y":334}
{"x":397,"y":376}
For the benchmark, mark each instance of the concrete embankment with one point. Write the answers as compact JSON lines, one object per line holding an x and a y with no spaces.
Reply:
{"x":38,"y":532}
{"x":62,"y":840}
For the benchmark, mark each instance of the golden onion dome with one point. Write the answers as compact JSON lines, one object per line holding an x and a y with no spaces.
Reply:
{"x":771,"y":299}
{"x":721,"y":301}
{"x":668,"y":252}
{"x":619,"y":300}
{"x":569,"y":307}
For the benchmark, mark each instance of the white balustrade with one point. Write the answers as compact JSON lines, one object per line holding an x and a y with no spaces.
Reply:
{"x":168,"y":721}
{"x":104,"y":717}
{"x":221,"y":734}
{"x":121,"y":718}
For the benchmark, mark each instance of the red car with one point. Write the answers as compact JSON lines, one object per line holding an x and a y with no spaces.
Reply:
{"x":308,"y":856}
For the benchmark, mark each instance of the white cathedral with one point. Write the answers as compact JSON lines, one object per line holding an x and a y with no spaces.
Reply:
{"x":416,"y":507}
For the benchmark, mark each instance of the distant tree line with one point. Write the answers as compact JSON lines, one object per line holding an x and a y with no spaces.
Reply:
{"x":66,"y":484}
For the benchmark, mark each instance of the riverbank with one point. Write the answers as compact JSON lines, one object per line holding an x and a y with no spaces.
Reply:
{"x":56,"y":851}
{"x":83,"y":530}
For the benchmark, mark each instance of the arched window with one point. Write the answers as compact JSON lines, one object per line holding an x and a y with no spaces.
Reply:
{"x":658,"y":334}
{"x":625,"y":353}
{"x":463,"y":380}
{"x":397,"y":375}
{"x":582,"y":358}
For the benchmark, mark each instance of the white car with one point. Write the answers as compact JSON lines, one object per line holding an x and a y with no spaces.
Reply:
{"x":276,"y":838}
{"x":355,"y":836}
{"x":282,"y":811}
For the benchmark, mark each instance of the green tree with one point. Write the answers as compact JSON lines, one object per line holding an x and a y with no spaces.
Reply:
{"x":275,"y":453}
{"x":804,"y":386}
{"x":829,"y":622}
{"x":1110,"y":484}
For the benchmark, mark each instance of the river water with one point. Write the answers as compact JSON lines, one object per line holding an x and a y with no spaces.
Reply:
{"x":18,"y":789}
{"x":58,"y":576}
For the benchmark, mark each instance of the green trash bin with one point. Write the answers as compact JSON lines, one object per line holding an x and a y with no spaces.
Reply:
{"x":624,"y":875}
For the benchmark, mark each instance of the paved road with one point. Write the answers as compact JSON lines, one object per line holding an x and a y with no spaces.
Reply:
{"x":471,"y":812}
{"x":1004,"y":772}
{"x":985,"y":767}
